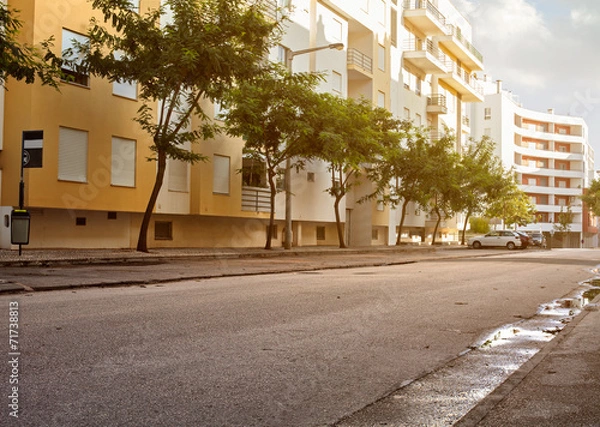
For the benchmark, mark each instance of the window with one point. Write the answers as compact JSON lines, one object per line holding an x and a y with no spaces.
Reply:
{"x":417,"y":121}
{"x":487,"y":113}
{"x":122,"y":162}
{"x":336,"y":82}
{"x":126,"y":89}
{"x":221,"y":174}
{"x":254,"y":172}
{"x":320,"y":233}
{"x":374,"y":234}
{"x":220,"y":111}
{"x":178,"y":176}
{"x":69,"y":53}
{"x":72,"y":155}
{"x":381,"y":12}
{"x":163,"y":230}
{"x":80,"y":221}
{"x":394,"y":27}
{"x":381,"y":61}
{"x":310,"y":176}
{"x":406,"y":113}
{"x":112,"y":215}
{"x":381,"y":99}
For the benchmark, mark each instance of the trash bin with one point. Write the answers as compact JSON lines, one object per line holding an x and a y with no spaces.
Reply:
{"x":19,"y":227}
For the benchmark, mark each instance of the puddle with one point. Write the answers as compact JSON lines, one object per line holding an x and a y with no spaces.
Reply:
{"x":444,"y":396}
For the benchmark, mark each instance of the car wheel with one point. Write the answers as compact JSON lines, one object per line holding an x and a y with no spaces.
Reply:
{"x":476,"y":245}
{"x":510,"y":246}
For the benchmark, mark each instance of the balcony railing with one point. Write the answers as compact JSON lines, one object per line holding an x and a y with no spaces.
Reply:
{"x":256,"y":199}
{"x":413,"y":44}
{"x":460,"y":72}
{"x":360,"y":60}
{"x":436,"y":103}
{"x":427,"y":5}
{"x":456,"y":32}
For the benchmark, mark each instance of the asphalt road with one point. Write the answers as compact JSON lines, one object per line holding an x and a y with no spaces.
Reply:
{"x":296,"y":349}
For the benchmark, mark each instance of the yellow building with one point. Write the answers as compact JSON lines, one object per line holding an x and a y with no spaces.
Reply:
{"x":414,"y":58}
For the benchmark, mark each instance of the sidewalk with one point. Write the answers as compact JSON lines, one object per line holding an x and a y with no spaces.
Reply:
{"x":559,"y":386}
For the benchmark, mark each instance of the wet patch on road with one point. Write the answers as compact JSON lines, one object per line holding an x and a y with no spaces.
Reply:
{"x":444,"y":396}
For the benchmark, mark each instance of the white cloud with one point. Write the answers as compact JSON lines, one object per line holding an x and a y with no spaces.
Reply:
{"x":545,"y":51}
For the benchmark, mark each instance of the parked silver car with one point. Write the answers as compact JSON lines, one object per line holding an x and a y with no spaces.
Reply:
{"x":506,"y":238}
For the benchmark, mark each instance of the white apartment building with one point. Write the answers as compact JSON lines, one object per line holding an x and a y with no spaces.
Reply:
{"x":550,"y":154}
{"x":413,"y":57}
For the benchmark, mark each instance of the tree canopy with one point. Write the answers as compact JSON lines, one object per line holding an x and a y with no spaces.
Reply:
{"x":22,"y":61}
{"x":352,"y":134}
{"x":197,"y":51}
{"x":274,"y":113}
{"x":591,"y":197}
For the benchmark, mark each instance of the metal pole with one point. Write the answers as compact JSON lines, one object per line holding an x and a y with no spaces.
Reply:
{"x":289,"y":56}
{"x":22,"y":185}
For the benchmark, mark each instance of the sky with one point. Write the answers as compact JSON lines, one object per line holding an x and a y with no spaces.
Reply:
{"x":546,"y":52}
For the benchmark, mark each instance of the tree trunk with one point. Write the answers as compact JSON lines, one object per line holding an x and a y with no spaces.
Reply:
{"x":437,"y":225}
{"x":142,"y":245}
{"x":464,"y":230}
{"x":402,"y":217}
{"x":338,"y":221}
{"x":273,"y":187}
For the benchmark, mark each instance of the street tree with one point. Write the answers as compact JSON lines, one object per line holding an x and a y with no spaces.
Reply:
{"x":512,"y":205}
{"x":179,"y":55}
{"x":23,"y":61}
{"x":591,"y":197}
{"x":351,"y":136}
{"x":480,"y":179}
{"x":398,"y":173}
{"x":442,"y":178}
{"x":273,"y":112}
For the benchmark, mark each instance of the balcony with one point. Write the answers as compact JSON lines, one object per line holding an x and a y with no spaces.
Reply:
{"x":461,"y":48}
{"x":359,"y":63}
{"x":436,"y":104}
{"x":424,"y":56}
{"x":425,"y":17}
{"x":462,"y":82}
{"x":436,"y":134}
{"x":466,"y":122}
{"x":256,"y":199}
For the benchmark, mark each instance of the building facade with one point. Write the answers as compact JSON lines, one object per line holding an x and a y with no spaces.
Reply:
{"x":551,"y":156}
{"x":414,"y":57}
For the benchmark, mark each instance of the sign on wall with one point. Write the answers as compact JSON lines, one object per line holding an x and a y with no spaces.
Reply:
{"x":33,"y":141}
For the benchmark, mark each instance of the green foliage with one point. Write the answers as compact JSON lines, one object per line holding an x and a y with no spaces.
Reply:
{"x":564,"y":220}
{"x":22,"y":61}
{"x":591,"y":197}
{"x":481,"y":178}
{"x":351,"y":134}
{"x":443,"y":179}
{"x":274,"y":113}
{"x":479,"y":225}
{"x":511,"y":204}
{"x":201,"y":52}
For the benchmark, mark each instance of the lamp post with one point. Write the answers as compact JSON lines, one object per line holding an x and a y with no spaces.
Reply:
{"x":289,"y":57}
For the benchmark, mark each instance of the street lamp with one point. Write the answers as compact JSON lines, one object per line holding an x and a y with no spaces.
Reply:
{"x":289,"y":57}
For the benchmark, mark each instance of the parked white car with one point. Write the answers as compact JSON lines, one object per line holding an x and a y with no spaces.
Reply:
{"x":505,"y":238}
